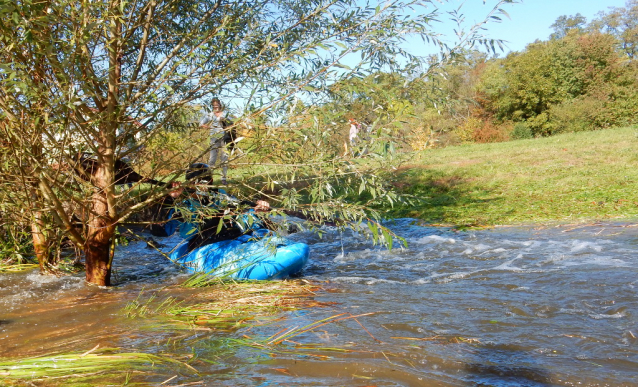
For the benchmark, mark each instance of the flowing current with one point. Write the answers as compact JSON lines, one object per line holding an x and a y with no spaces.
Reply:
{"x":554,"y":306}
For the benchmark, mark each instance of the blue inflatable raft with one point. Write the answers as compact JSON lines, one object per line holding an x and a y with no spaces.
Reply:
{"x":260,"y":256}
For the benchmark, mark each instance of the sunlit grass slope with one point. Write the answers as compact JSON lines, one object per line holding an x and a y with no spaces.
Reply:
{"x":567,"y":178}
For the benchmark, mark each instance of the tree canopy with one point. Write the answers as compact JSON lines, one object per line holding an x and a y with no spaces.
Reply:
{"x":109,"y":77}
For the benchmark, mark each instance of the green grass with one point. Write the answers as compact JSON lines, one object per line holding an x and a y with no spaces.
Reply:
{"x":568,"y":178}
{"x":17,"y":267}
{"x":224,"y":305}
{"x":84,"y":369}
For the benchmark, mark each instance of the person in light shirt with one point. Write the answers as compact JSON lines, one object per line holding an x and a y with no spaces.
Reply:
{"x":217,"y":123}
{"x":354,"y":131}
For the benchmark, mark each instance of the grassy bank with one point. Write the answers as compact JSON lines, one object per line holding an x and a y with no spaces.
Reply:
{"x":568,"y":178}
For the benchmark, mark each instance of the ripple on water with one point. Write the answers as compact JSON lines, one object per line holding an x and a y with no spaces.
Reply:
{"x":18,"y":289}
{"x":581,"y":247}
{"x":606,"y":316}
{"x":541,"y":307}
{"x":363,"y":280}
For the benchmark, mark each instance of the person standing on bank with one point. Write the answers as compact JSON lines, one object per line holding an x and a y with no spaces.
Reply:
{"x":353,"y":135}
{"x":217,"y":123}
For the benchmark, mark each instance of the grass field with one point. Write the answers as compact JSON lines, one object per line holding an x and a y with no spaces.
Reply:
{"x":570,"y":178}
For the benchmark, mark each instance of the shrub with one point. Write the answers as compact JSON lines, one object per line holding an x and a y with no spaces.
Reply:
{"x":465,"y":132}
{"x":15,"y":241}
{"x":576,"y":115}
{"x":475,"y":129}
{"x":541,"y":125}
{"x":173,"y":150}
{"x":426,"y":128}
{"x":490,"y":132}
{"x":521,"y":131}
{"x":422,"y":138}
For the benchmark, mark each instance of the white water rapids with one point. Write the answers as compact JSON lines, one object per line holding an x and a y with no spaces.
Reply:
{"x":552,"y":306}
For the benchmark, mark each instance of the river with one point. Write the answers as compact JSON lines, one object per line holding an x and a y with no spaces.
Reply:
{"x":509,"y":306}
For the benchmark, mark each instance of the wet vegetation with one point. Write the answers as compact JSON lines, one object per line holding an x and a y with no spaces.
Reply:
{"x":219,"y":319}
{"x":17,"y":267}
{"x":95,"y":367}
{"x":223,"y":305}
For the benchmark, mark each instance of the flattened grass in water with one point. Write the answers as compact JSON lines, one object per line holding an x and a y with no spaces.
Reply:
{"x":246,"y":309}
{"x":18,"y":267}
{"x":568,"y":178}
{"x":225,"y":305}
{"x":83,"y":369}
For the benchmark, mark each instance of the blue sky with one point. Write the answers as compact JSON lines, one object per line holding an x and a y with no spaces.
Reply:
{"x":529,"y":19}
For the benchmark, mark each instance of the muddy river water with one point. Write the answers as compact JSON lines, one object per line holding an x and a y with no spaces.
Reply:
{"x":545,"y":306}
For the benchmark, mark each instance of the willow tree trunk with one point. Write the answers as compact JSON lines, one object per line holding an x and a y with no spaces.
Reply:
{"x":41,"y":244}
{"x":97,"y":249}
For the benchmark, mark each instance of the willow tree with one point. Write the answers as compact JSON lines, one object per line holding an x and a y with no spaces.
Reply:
{"x":91,"y":75}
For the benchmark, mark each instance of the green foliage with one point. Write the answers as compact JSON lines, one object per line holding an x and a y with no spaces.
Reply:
{"x":540,"y":84}
{"x":167,"y":150}
{"x":575,"y":115}
{"x":96,"y":75}
{"x":575,"y":81}
{"x":416,"y":110}
{"x":15,"y":238}
{"x":622,"y":23}
{"x":465,"y":132}
{"x":15,"y":245}
{"x":117,"y":78}
{"x":521,"y":131}
{"x":565,"y":24}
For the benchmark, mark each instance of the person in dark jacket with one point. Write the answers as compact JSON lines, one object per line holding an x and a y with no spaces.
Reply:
{"x":212,"y":207}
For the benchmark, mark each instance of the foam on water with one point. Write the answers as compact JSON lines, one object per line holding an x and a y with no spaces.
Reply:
{"x":435,"y":256}
{"x":534,"y":302}
{"x":586,"y":246}
{"x":450,"y":277}
{"x":608,"y":261}
{"x":362,"y":280}
{"x":436,"y":239}
{"x":18,"y":289}
{"x":608,"y":316}
{"x":552,"y":291}
{"x":507,"y":265}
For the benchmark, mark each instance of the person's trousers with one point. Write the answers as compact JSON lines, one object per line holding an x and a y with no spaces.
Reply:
{"x":218,"y":148}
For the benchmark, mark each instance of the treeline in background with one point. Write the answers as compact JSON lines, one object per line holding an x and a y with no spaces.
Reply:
{"x":584,"y":77}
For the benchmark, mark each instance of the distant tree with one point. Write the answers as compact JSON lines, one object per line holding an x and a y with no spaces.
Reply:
{"x":622,"y":23}
{"x":375,"y":96}
{"x":564,"y":24}
{"x":524,"y":86}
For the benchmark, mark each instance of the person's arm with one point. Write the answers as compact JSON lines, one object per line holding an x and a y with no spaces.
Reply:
{"x":230,"y":132}
{"x":205,"y":120}
{"x":259,"y":205}
{"x":170,"y":217}
{"x":167,"y":227}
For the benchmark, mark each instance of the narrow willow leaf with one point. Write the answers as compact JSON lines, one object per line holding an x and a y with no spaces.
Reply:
{"x":387,"y":237}
{"x":375,"y":231}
